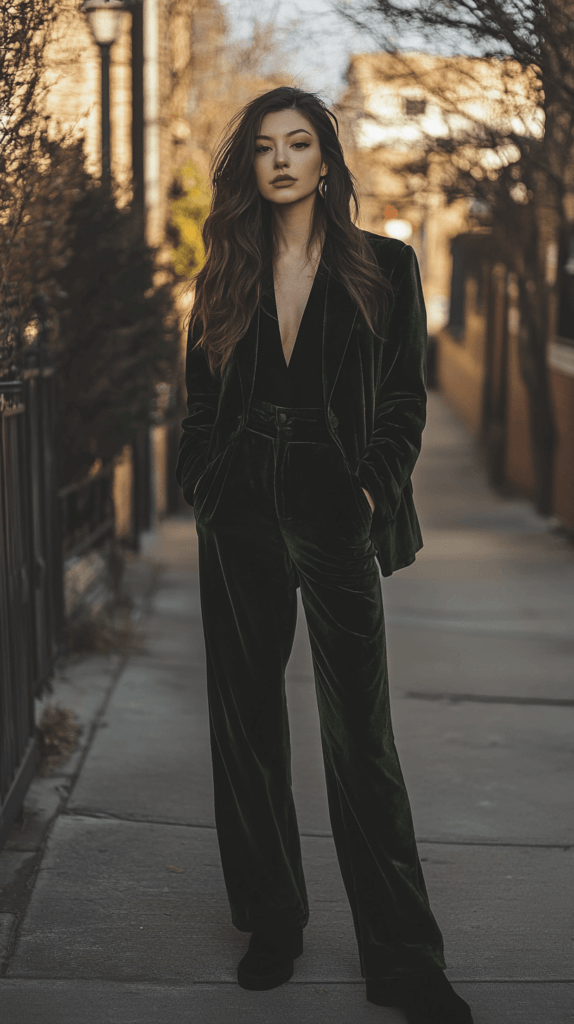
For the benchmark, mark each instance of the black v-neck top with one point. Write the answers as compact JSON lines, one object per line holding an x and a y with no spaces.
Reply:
{"x":299,"y":384}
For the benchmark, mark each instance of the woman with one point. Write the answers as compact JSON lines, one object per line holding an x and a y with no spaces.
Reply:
{"x":306,"y":403}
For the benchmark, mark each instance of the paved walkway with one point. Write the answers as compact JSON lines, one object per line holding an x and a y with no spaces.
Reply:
{"x":121,"y":916}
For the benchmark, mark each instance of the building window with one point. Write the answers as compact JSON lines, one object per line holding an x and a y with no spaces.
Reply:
{"x":413,"y":108}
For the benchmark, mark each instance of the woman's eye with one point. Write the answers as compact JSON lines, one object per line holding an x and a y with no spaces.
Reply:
{"x":261,"y":149}
{"x":301,"y":145}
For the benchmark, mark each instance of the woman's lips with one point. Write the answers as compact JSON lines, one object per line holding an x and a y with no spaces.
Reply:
{"x":283,"y":182}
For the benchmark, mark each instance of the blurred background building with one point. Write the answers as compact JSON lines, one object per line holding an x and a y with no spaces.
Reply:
{"x":399,"y":109}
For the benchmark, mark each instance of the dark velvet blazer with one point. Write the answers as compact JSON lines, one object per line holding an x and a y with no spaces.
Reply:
{"x":374,"y":398}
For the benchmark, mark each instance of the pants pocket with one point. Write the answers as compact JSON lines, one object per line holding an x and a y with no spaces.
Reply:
{"x":360,"y":496}
{"x":210,"y":485}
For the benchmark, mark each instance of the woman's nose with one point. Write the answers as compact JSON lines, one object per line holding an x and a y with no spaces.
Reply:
{"x":281,"y":158}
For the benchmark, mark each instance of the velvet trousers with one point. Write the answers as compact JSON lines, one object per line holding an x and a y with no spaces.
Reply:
{"x":281,"y":506}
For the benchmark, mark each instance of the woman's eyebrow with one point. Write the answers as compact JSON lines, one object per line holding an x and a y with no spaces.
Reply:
{"x":294,"y":132}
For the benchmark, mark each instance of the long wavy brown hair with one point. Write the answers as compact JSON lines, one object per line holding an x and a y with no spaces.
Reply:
{"x":239,"y":238}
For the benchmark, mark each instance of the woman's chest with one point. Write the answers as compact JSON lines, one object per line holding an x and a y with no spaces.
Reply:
{"x":292,"y":287}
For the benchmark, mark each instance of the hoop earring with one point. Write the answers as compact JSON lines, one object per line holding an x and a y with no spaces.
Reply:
{"x":322,"y":187}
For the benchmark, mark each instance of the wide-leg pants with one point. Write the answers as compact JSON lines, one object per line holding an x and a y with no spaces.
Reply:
{"x":281,"y":503}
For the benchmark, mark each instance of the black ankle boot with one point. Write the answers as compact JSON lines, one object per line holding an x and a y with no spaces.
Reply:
{"x":269,"y":958}
{"x":424,"y":998}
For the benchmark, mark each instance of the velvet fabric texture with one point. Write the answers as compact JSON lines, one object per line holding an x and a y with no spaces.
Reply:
{"x":278,"y":500}
{"x":373,"y":394}
{"x":282,"y":498}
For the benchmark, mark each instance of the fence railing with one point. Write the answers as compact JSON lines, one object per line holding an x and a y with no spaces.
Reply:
{"x":43,"y":530}
{"x":16,"y":693}
{"x":87,"y":512}
{"x":30,"y":571}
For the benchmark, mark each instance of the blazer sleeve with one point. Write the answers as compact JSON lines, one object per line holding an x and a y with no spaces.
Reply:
{"x":202,"y":402}
{"x":400,"y":409}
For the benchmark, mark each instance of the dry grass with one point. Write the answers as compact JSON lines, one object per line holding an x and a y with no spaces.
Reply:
{"x":104,"y":633}
{"x":57,"y":737}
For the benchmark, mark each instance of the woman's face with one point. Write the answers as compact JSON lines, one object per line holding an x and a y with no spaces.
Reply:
{"x":288,"y":162}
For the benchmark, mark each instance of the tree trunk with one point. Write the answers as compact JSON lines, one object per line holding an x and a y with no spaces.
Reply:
{"x":534,"y":366}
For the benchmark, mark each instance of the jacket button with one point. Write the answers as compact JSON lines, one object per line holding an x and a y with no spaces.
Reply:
{"x":282,"y":417}
{"x":334,"y":421}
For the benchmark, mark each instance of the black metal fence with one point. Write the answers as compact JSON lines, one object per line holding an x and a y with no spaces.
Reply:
{"x":41,"y":530}
{"x":87,"y":512}
{"x":31,"y":605}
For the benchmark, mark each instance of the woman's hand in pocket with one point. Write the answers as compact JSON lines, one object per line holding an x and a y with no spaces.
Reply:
{"x":369,"y":499}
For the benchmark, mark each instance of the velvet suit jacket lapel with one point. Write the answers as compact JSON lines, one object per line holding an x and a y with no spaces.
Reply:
{"x":246,"y":362}
{"x":338,"y":322}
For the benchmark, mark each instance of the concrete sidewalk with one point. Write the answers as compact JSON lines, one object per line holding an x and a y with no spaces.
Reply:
{"x":126,"y":918}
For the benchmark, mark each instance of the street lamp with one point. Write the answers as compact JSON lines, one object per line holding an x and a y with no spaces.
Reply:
{"x":104,"y":18}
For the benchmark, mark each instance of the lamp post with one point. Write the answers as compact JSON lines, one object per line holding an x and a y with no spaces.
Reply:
{"x":138,"y":200}
{"x":104,"y":18}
